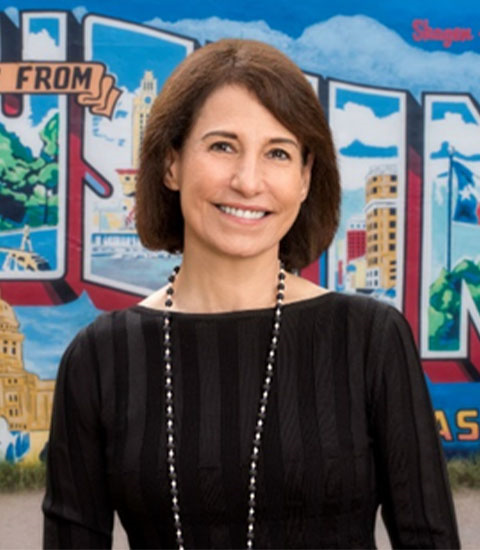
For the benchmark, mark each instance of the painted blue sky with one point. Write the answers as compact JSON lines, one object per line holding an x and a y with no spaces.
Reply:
{"x":158,"y":55}
{"x":50,"y":25}
{"x":443,"y":152}
{"x":441,"y":108}
{"x":380,"y":105}
{"x":359,"y":149}
{"x":40,"y":105}
{"x":49,"y":329}
{"x":291,"y":17}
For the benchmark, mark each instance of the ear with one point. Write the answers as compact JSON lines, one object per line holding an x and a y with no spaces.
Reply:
{"x":306,"y":176}
{"x":171,"y":178}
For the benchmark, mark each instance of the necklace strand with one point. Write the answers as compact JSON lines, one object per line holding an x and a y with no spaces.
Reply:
{"x":261,"y":413}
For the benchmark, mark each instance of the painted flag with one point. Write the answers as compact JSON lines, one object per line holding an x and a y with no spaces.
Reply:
{"x":467,"y":208}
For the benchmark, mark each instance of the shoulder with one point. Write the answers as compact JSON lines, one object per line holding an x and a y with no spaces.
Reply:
{"x":98,"y":335}
{"x":356,"y":321}
{"x":355,"y":308}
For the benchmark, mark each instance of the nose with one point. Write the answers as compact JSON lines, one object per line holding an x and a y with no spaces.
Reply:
{"x":247,"y":178}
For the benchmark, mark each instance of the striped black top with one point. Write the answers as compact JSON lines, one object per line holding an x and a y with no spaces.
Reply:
{"x":349,"y":427}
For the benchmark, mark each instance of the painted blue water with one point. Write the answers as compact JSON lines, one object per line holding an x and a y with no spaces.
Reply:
{"x":149,"y":273}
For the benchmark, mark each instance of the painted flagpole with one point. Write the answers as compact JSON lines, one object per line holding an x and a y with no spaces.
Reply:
{"x":451,"y":152}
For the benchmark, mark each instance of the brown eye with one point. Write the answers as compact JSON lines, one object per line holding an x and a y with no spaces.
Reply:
{"x":222,"y":146}
{"x":280,"y":154}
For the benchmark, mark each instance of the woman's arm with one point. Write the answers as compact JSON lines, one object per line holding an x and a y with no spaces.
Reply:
{"x":415,"y":494}
{"x":77,"y":510}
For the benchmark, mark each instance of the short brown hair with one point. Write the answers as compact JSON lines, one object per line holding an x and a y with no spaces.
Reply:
{"x":283,"y":89}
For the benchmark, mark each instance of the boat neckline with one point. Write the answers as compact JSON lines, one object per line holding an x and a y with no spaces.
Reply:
{"x":235,"y":313}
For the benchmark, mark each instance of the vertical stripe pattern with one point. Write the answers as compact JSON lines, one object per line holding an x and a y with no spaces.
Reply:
{"x":349,"y":428}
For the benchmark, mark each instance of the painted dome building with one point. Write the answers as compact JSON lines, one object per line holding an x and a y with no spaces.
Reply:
{"x":25,"y":400}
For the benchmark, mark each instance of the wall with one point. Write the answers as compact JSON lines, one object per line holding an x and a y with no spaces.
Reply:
{"x":400,"y":86}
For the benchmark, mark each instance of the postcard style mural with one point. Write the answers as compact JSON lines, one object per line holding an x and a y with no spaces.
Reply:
{"x":76,"y":90}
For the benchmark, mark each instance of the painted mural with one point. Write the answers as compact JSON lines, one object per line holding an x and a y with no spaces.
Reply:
{"x":401,"y":94}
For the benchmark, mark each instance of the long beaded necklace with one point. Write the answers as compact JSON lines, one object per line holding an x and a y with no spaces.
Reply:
{"x":261,"y":414}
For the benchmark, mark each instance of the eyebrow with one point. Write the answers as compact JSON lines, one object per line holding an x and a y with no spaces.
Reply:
{"x":231,"y":135}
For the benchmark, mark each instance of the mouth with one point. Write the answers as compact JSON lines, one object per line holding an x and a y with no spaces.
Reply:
{"x":243,"y":213}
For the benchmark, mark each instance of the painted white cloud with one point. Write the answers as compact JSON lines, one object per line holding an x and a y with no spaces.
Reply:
{"x":109,"y":145}
{"x":354,"y":171}
{"x":337,"y":48}
{"x":214,"y":28}
{"x":23,"y":127}
{"x":41,"y":45}
{"x":463,"y":136}
{"x":357,"y":122}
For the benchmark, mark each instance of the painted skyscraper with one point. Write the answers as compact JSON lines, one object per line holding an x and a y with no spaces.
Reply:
{"x":142,"y":104}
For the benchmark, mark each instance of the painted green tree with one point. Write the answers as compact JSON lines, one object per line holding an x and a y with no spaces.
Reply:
{"x":445,"y":304}
{"x":28,"y":184}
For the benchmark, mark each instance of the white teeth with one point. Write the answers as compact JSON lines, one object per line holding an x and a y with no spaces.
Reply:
{"x":240,"y":213}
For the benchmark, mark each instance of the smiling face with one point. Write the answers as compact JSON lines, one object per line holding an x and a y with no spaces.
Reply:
{"x":240,"y":175}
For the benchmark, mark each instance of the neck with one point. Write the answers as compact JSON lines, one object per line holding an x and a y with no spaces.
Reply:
{"x":212,"y":285}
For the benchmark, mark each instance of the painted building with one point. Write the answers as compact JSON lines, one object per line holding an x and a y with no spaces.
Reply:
{"x":356,"y":237}
{"x":25,"y":400}
{"x":142,"y":105}
{"x":356,"y":274}
{"x":128,"y":181}
{"x":381,"y":227}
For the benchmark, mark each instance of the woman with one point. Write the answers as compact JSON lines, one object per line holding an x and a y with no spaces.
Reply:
{"x":240,"y":405}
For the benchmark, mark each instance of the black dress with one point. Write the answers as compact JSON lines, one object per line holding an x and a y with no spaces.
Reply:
{"x":349,"y":427}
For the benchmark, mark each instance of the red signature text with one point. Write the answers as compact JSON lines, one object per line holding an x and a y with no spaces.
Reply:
{"x":424,"y":33}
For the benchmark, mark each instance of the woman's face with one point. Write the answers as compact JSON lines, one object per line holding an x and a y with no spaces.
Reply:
{"x":240,"y":176}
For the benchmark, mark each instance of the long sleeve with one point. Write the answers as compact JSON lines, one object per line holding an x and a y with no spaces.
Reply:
{"x":416,"y":500}
{"x":77,"y":511}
